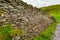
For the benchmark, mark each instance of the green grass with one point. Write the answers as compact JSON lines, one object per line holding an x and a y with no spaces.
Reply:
{"x":47,"y":34}
{"x":7,"y":32}
{"x":56,"y":15}
{"x":5,"y":29}
{"x":54,"y":11}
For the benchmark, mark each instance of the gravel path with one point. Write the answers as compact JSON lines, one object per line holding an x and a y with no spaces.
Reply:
{"x":57,"y":33}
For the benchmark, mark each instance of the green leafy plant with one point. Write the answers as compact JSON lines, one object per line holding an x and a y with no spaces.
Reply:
{"x":5,"y":29}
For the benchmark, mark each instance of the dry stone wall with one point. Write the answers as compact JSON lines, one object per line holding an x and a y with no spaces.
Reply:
{"x":23,"y":16}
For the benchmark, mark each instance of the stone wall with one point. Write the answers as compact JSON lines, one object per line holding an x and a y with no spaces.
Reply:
{"x":23,"y":16}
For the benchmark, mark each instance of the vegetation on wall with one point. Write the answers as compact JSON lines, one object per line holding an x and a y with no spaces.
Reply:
{"x":7,"y":32}
{"x":1,"y":12}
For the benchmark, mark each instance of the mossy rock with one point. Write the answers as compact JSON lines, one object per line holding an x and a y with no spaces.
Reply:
{"x":1,"y":12}
{"x":17,"y":31}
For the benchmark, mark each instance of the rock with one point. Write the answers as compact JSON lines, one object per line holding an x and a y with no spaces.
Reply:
{"x":24,"y":16}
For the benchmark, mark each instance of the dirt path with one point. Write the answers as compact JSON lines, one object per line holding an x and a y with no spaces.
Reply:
{"x":57,"y":33}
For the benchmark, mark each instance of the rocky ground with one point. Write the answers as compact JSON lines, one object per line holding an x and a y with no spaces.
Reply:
{"x":32,"y":20}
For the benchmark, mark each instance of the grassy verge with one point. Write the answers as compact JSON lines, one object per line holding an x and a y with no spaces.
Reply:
{"x":54,"y":11}
{"x":47,"y":34}
{"x":56,"y":15}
